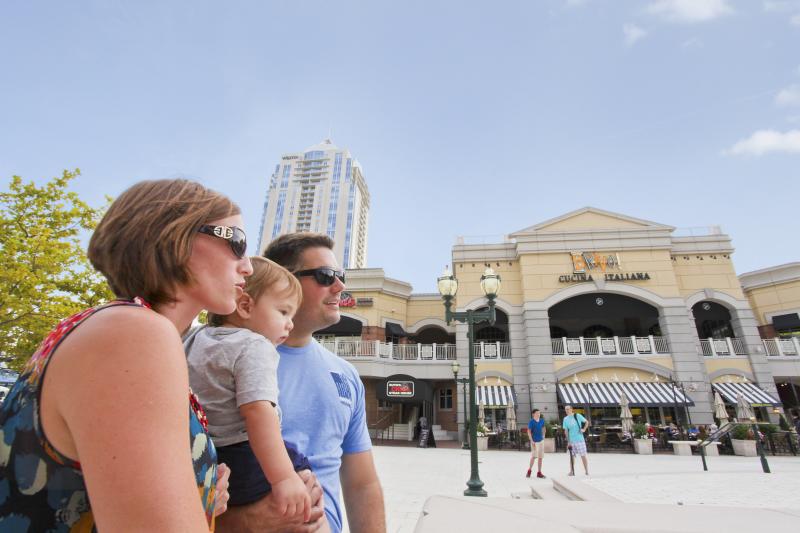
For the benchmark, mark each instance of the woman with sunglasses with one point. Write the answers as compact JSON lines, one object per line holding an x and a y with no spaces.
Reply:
{"x":101,"y":431}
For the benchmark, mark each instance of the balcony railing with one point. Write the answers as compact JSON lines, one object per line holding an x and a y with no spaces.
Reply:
{"x":779,"y":347}
{"x":358,"y":349}
{"x":722,"y":347}
{"x":609,"y":346}
{"x":492,"y":350}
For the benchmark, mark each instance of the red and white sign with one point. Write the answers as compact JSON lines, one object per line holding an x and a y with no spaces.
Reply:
{"x":346,"y":300}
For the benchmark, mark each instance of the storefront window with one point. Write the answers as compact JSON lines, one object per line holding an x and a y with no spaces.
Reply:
{"x":654,"y":416}
{"x":445,"y":398}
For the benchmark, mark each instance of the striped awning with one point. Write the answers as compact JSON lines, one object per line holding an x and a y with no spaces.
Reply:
{"x":754,"y":394}
{"x":607,"y":394}
{"x":495,"y":395}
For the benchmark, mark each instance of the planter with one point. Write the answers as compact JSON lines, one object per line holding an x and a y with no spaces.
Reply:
{"x":549,"y":445}
{"x":746,"y":448}
{"x":483,"y":443}
{"x":643,"y":446}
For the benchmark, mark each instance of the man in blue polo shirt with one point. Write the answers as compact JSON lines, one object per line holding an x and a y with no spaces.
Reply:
{"x":536,"y":436}
{"x":575,"y":425}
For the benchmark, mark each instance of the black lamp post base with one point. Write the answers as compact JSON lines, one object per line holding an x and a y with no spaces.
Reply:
{"x":475,"y":488}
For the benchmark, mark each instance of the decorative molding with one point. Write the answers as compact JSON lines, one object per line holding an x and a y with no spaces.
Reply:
{"x":730,"y":372}
{"x":770,"y":276}
{"x":425,"y":322}
{"x":606,"y":362}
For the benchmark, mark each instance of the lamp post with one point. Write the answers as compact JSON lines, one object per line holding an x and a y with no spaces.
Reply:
{"x":448,"y":286}
{"x":455,"y":366}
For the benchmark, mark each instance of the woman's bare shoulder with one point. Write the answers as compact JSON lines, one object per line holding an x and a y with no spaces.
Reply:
{"x":123,"y":332}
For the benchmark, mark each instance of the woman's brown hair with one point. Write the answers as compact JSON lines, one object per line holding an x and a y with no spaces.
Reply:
{"x":143,"y":243}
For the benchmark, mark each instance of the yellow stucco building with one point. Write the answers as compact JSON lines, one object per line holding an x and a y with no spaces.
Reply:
{"x":592,"y":304}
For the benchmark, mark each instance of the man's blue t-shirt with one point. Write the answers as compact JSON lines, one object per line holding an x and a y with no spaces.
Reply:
{"x":322,"y":399}
{"x":536,"y":429}
{"x":572,"y":427}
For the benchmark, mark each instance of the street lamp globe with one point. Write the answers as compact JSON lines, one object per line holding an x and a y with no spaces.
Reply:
{"x":490,"y":283}
{"x":447,"y":283}
{"x":455,"y":368}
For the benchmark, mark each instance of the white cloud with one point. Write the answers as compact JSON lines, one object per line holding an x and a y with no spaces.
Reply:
{"x":790,"y":96}
{"x":690,"y":10}
{"x":692,"y":42}
{"x":575,"y":3}
{"x":795,"y":20}
{"x":767,"y":141}
{"x":633,"y":33}
{"x":780,"y":6}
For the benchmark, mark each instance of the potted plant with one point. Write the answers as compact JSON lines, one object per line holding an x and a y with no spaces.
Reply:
{"x":483,"y":437}
{"x":743,"y":441}
{"x":642,"y":443}
{"x":550,"y":428}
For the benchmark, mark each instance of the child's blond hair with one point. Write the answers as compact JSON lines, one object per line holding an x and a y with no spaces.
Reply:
{"x":265,"y":277}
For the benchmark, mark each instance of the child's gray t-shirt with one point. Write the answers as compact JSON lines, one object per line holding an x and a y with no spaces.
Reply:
{"x":229,"y":367}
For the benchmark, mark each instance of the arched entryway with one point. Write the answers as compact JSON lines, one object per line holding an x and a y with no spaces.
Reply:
{"x":603,"y":315}
{"x":713,"y":321}
{"x":433,"y":335}
{"x":497,"y":332}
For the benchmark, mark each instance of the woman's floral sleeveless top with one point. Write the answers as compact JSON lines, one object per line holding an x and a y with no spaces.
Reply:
{"x":40,"y":489}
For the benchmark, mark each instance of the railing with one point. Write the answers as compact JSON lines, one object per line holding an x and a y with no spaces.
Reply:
{"x":492,"y":350}
{"x":722,"y":347}
{"x":600,"y":346}
{"x":359,"y":349}
{"x":779,"y":347}
{"x":383,"y":432}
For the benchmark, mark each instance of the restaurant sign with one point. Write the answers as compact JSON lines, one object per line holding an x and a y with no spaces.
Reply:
{"x":346,"y":300}
{"x":400,"y":389}
{"x":586,"y":266}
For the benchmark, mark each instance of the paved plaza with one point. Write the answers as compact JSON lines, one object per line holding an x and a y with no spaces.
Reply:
{"x":410,"y":476}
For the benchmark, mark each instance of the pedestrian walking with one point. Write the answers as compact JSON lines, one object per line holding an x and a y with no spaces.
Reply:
{"x":575,"y":425}
{"x":536,"y":430}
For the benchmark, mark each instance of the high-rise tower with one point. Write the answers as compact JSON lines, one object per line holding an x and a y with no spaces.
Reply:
{"x":323,"y":190}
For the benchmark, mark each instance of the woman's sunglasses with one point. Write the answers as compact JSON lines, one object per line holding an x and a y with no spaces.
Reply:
{"x":235,"y":237}
{"x":325,"y":276}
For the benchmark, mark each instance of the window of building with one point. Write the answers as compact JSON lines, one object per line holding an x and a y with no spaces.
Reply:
{"x":445,"y":398}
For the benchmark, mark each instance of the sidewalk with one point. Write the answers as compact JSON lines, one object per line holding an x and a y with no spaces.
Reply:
{"x":411,"y":475}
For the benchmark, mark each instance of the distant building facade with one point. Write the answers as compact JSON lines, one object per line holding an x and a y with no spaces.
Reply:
{"x":322,"y":190}
{"x":592,"y":304}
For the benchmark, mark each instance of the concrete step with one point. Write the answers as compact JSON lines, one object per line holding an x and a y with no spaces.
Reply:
{"x":546,"y":491}
{"x":574,"y":489}
{"x":441,"y":434}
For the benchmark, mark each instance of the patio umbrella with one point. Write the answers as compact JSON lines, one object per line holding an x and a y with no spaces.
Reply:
{"x":743,"y":410}
{"x":625,"y":414}
{"x":719,"y":409}
{"x":511,"y":416}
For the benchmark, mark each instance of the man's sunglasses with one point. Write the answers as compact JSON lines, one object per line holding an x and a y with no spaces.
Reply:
{"x":325,"y":276}
{"x":235,"y":237}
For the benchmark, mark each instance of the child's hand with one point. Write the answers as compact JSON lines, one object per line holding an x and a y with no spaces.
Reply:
{"x":292,"y":497}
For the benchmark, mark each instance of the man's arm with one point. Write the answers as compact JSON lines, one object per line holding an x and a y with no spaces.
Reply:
{"x":263,"y":516}
{"x":363,"y":495}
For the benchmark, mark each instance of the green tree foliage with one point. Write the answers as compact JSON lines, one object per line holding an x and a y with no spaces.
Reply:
{"x":44,"y":273}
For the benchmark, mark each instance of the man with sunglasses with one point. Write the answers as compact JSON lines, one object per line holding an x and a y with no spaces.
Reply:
{"x":321,"y":394}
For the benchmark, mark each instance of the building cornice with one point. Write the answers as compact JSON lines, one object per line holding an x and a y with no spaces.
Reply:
{"x":374,"y":279}
{"x":770,"y":276}
{"x":484,"y":252}
{"x":715,"y":244}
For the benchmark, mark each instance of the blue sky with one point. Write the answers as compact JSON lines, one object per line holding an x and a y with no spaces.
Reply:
{"x":549,"y":105}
